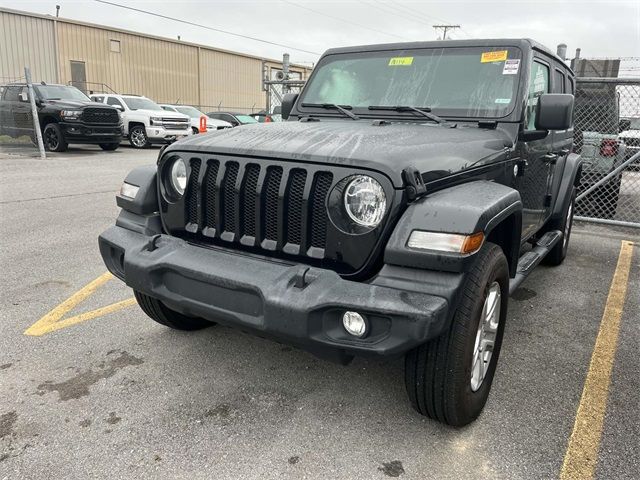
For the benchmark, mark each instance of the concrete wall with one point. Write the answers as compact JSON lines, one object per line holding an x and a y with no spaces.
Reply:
{"x":166,"y":70}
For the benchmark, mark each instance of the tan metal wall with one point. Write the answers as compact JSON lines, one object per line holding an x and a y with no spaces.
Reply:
{"x":26,"y":42}
{"x":168,"y":71}
{"x":161,"y":70}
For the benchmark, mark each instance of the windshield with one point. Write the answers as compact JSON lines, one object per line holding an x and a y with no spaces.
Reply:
{"x":60,"y":92}
{"x":454,"y":81}
{"x":190,"y":111}
{"x":139,"y":103}
{"x":246,"y":119}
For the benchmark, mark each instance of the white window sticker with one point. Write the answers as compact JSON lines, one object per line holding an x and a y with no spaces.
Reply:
{"x":511,"y":67}
{"x":503,"y":100}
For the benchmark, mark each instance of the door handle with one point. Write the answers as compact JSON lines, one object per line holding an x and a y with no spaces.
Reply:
{"x":550,"y":158}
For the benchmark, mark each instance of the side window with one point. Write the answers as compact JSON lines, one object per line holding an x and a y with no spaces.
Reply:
{"x":168,"y":109}
{"x":11,"y":94}
{"x":538,"y":84}
{"x":114,"y":101}
{"x":570,"y":88}
{"x":558,"y":82}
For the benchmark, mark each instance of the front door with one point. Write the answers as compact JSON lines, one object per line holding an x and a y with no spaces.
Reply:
{"x":79,"y":75}
{"x":537,"y":156}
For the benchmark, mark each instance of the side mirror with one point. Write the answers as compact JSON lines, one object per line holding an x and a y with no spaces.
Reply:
{"x":288,"y":101}
{"x":554,"y":112}
{"x":24,"y":97}
{"x":119,"y":107}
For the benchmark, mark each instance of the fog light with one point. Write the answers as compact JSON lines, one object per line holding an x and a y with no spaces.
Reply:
{"x":354,"y":324}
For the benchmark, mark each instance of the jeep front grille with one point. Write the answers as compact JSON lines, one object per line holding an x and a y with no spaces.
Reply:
{"x":100,"y":115}
{"x":271,"y":207}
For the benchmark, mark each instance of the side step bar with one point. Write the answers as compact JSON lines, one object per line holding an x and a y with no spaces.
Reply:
{"x":530,"y":260}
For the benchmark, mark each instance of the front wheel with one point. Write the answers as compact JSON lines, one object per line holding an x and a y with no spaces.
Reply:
{"x":53,"y":138}
{"x":449,"y":378}
{"x":158,"y":311}
{"x":109,"y":147}
{"x":138,"y":137}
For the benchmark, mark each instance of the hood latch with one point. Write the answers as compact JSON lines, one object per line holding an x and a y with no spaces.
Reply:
{"x":413,"y":184}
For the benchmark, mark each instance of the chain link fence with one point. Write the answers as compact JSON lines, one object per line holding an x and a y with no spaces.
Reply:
{"x":607,"y":136}
{"x":276,"y":89}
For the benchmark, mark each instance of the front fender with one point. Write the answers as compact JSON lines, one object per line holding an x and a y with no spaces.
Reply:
{"x":479,"y":206}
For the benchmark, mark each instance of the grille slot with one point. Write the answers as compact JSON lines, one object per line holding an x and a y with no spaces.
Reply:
{"x":100,"y":115}
{"x":268,"y":207}
{"x":270,"y":212}
{"x":295,"y":192}
{"x":192,"y":195}
{"x":251,"y":176}
{"x":229,"y":196}
{"x":210,"y":194}
{"x":321,"y":185}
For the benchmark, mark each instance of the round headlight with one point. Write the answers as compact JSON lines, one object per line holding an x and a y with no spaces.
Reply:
{"x":178,"y":176}
{"x":365,"y":201}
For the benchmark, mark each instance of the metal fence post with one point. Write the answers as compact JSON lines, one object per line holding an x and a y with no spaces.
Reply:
{"x":34,"y":112}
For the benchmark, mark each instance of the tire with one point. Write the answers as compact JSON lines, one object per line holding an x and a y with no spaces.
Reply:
{"x":53,"y":138}
{"x":195,"y":130}
{"x":109,"y":147}
{"x":438,"y":374}
{"x":138,"y":137}
{"x":159,"y":312}
{"x":558,"y":253}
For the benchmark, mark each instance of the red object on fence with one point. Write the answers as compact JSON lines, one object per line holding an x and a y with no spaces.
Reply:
{"x":203,"y":124}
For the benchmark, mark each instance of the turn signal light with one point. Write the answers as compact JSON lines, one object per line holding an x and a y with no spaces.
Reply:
{"x":446,"y":242}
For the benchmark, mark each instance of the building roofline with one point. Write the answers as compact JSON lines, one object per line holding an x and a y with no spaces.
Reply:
{"x":145,"y":35}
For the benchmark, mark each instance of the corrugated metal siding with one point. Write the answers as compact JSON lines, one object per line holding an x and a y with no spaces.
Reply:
{"x":26,"y":42}
{"x":163,"y":71}
{"x":230,"y":81}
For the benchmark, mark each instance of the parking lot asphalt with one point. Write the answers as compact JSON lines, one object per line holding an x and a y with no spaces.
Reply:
{"x":119,"y":396}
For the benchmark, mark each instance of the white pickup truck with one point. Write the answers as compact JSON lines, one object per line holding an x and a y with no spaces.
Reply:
{"x":145,"y":122}
{"x":194,"y":114}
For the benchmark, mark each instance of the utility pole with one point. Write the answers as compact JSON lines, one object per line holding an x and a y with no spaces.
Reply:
{"x":445,"y":28}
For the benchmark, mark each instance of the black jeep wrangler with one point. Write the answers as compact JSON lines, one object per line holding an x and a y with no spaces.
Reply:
{"x":413,"y":187}
{"x":66,"y":116}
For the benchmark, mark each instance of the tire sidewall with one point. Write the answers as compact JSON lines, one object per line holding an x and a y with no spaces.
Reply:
{"x":54,"y":128}
{"x":471,"y":403}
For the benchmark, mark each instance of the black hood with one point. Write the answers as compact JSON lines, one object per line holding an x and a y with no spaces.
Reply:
{"x":74,"y":104}
{"x":434,"y":149}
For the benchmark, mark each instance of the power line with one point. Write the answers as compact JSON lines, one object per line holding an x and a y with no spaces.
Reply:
{"x":342,"y":20}
{"x":186,"y":22}
{"x":414,"y":13}
{"x":390,"y":11}
{"x":445,"y":28}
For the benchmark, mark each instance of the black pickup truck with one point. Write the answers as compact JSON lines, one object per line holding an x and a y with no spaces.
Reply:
{"x":411,"y":189}
{"x":66,"y":116}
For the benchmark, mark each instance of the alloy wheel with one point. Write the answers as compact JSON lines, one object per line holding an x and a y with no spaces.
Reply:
{"x":486,"y":336}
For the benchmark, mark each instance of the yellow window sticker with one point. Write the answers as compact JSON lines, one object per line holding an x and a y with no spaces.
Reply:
{"x":396,"y":61}
{"x":497,"y":56}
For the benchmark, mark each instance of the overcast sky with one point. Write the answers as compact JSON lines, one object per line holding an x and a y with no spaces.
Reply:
{"x":600,"y":28}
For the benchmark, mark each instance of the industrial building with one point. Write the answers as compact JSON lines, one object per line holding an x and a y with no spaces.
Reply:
{"x":100,"y":58}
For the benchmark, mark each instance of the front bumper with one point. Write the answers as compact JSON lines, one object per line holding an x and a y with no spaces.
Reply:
{"x":159,"y":134}
{"x":297,"y":304}
{"x":77,"y":132}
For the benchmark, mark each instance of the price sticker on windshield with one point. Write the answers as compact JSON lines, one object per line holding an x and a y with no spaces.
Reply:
{"x":397,"y":61}
{"x":497,"y":56}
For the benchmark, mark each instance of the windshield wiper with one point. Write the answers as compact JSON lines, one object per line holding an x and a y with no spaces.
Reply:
{"x":424,"y":111}
{"x":341,"y":108}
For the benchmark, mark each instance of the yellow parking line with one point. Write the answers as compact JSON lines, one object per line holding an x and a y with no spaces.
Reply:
{"x":582,"y":452}
{"x":53,"y":320}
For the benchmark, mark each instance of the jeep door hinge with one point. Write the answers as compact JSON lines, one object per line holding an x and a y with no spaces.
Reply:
{"x":413,"y":184}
